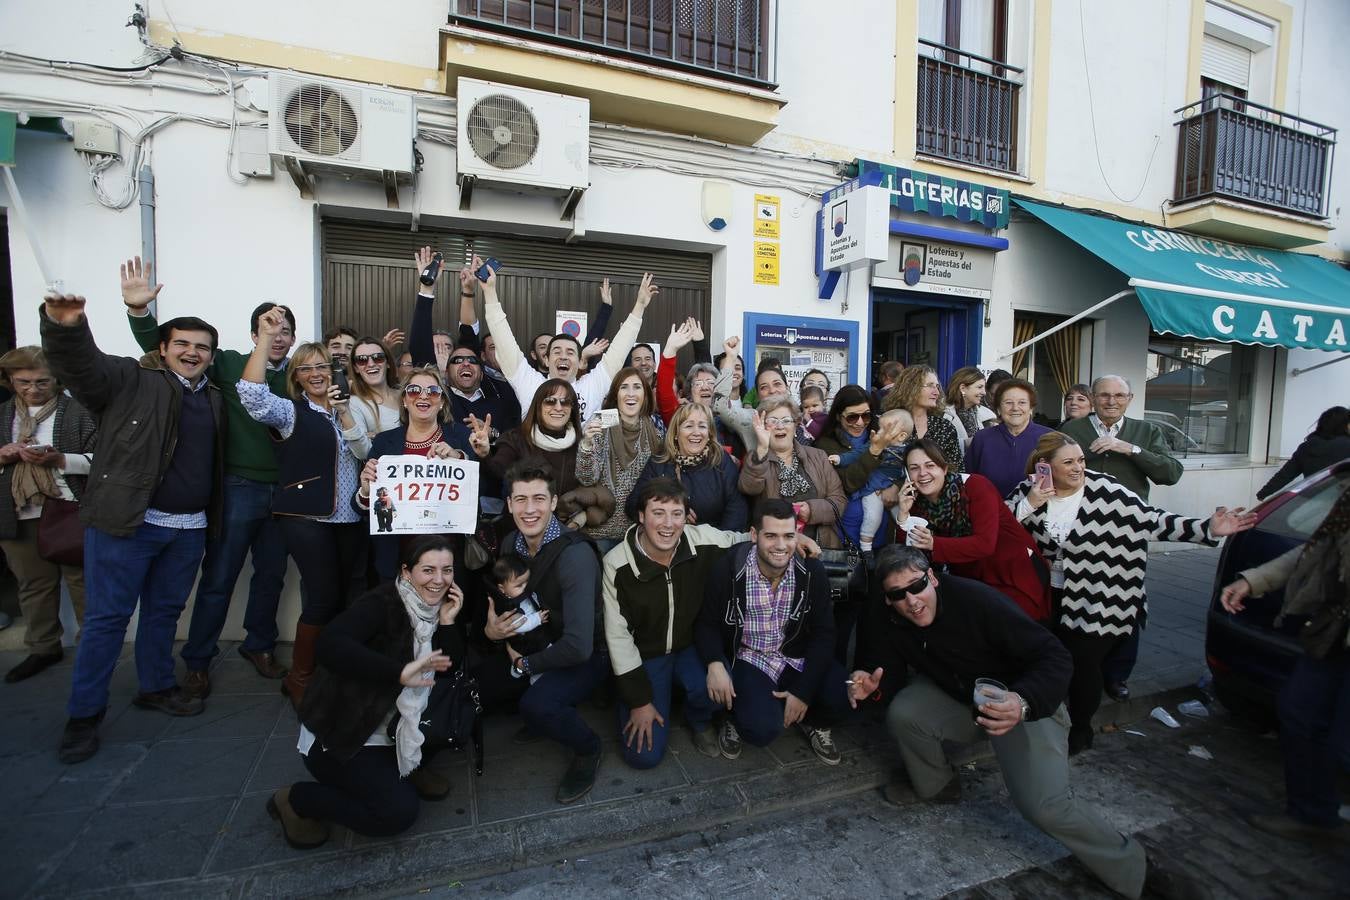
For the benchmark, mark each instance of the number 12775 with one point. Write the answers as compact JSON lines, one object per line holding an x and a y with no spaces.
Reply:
{"x":425,"y":491}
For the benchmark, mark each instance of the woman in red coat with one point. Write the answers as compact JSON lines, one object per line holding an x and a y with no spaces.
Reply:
{"x":971,"y":530}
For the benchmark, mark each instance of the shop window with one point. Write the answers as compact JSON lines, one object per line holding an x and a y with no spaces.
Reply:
{"x":1054,"y":363}
{"x":1201,"y":394}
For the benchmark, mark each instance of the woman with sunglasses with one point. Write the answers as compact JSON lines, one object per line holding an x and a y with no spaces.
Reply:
{"x":317,"y":476}
{"x":849,"y":437}
{"x":424,"y":428}
{"x":549,"y":432}
{"x":375,"y":406}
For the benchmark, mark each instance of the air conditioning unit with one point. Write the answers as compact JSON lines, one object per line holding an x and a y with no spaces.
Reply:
{"x":522,"y":140}
{"x":316,"y":126}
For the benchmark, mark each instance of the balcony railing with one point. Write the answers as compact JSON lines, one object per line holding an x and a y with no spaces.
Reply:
{"x":729,"y":39}
{"x":1231,"y":147}
{"x":967,"y":107}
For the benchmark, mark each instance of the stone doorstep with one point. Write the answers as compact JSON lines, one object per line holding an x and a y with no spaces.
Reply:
{"x":460,"y":854}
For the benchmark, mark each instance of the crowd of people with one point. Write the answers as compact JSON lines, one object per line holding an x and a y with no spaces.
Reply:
{"x":677,"y":552}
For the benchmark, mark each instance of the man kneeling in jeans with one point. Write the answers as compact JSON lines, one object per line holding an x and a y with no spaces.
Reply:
{"x":766,"y":634}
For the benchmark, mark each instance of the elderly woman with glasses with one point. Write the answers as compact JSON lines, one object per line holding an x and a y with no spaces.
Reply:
{"x":375,"y":403}
{"x":318,"y":474}
{"x":424,"y":428}
{"x":46,"y":439}
{"x":782,"y":467}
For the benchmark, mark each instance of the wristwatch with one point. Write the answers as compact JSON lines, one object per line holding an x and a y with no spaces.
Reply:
{"x":1026,"y":709}
{"x":1135,"y":449}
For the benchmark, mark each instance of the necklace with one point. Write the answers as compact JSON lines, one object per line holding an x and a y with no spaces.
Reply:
{"x":425,"y":444}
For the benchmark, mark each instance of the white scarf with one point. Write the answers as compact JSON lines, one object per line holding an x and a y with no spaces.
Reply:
{"x":542,"y":441}
{"x":412,"y":701}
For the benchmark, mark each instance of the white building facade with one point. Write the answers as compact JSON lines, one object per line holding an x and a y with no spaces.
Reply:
{"x":713,"y":132}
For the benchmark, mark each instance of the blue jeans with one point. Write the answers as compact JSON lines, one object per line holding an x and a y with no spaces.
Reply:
{"x":759,"y":714}
{"x":688,"y":669}
{"x":246,"y":525}
{"x":549,"y":707}
{"x":155,"y":566}
{"x":1314,"y":708}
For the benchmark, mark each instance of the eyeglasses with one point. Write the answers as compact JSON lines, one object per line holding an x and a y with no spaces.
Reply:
{"x":22,"y":383}
{"x":464,"y":360}
{"x":313,"y":368}
{"x":558,"y":401}
{"x":363,"y":358}
{"x":779,"y":422}
{"x":416,"y":390}
{"x":855,"y":418}
{"x":900,"y":594}
{"x":1116,"y":397}
{"x":406,"y":364}
{"x":703,"y":383}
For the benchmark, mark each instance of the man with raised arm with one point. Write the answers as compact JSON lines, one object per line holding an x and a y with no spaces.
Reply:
{"x":155,"y":483}
{"x":246,"y":526}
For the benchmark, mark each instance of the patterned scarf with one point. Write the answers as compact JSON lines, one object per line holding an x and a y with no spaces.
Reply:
{"x":950,"y":513}
{"x":692,"y":461}
{"x":969,"y":421}
{"x":412,"y":701}
{"x":792,"y":480}
{"x":552,"y":532}
{"x":31,"y":483}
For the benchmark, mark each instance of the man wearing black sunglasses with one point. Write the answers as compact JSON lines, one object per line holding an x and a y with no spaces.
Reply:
{"x":474,"y":396}
{"x":950,"y":632}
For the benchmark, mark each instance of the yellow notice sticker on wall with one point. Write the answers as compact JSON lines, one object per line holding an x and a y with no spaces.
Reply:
{"x":766,"y":263}
{"x":767,"y":208}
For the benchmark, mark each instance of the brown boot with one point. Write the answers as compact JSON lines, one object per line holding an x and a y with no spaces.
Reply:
{"x":301,"y":833}
{"x":302,"y":663}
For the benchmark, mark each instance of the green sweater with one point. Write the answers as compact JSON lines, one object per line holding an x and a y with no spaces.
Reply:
{"x":249,"y":449}
{"x":1154,"y":464}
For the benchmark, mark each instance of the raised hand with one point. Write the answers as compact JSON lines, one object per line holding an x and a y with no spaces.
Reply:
{"x":863,"y":686}
{"x":270,"y":324}
{"x":423,"y":259}
{"x":480,"y":435}
{"x":64,"y":309}
{"x":646,"y":291}
{"x":138,"y":284}
{"x":885,"y":436}
{"x":729,"y":351}
{"x":466,"y":280}
{"x":595,"y":348}
{"x":606,"y":295}
{"x":393,"y":338}
{"x":695,"y":329}
{"x":762,"y":435}
{"x":680,"y":336}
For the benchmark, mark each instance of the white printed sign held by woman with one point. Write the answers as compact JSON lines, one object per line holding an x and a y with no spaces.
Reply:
{"x":417,"y":495}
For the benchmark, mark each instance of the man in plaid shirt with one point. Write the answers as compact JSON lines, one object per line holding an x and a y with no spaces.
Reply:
{"x":766,"y":635}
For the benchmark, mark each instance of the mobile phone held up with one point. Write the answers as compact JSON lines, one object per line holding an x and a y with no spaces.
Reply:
{"x":1043,"y":477}
{"x":487,"y":269}
{"x":428,"y":276}
{"x":340,"y":379}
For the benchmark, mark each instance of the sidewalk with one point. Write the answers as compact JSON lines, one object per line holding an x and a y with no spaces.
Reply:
{"x":176,"y":806}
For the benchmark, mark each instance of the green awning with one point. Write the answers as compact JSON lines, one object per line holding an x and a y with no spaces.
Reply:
{"x":1203,"y":287}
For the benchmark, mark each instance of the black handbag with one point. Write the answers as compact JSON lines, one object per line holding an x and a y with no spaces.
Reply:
{"x":453,"y":718}
{"x":847,"y":573}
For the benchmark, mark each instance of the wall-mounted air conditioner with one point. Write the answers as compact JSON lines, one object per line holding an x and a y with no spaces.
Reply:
{"x":316,"y":126}
{"x":522,"y":140}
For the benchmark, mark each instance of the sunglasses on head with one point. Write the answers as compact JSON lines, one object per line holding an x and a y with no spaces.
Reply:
{"x":363,"y":358}
{"x":855,"y":418}
{"x":897,"y":595}
{"x":464,"y":359}
{"x":416,"y":390}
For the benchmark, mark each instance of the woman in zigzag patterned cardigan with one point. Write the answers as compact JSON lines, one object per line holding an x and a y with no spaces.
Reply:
{"x":1094,"y":533}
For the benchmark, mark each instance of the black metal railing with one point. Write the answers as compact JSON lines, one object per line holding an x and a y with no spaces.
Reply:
{"x":1232,"y":147}
{"x":731,"y":39}
{"x":967,"y":108}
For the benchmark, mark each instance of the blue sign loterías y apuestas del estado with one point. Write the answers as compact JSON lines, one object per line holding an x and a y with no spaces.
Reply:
{"x":934,"y":195}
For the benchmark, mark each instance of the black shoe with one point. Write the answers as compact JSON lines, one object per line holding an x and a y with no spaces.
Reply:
{"x":80,"y":739}
{"x":1080,"y":739}
{"x":580,"y":777}
{"x":172,"y":701}
{"x":431,"y":786}
{"x":1118,"y":691}
{"x":31,"y":665}
{"x":1168,"y":879}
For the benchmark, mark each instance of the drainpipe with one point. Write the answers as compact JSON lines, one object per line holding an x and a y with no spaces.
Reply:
{"x":145,"y":180}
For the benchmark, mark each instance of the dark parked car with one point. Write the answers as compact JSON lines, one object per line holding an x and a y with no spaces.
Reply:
{"x":1248,"y":656}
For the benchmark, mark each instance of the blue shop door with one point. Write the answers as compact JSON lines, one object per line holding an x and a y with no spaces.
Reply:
{"x":915,"y":329}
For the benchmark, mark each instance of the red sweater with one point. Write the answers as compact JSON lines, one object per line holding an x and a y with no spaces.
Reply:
{"x":999,"y":552}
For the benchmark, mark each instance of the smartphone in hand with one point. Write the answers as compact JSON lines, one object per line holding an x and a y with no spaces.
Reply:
{"x":1043,"y":476}
{"x":488,"y":268}
{"x":340,"y":379}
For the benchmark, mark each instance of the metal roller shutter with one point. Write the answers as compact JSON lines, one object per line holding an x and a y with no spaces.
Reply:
{"x":369,"y":279}
{"x":1226,"y":62}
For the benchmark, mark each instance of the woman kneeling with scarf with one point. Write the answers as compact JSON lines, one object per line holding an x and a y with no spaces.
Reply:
{"x":360,"y":736}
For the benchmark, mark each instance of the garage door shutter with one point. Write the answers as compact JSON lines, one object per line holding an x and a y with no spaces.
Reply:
{"x":370,"y":279}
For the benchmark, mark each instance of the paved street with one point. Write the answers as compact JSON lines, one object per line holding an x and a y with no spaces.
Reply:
{"x":176,"y":806}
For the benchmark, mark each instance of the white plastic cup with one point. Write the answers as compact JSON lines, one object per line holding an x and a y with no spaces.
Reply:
{"x":909,"y":525}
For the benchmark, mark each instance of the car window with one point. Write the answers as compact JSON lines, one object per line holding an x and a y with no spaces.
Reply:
{"x":1299,"y":517}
